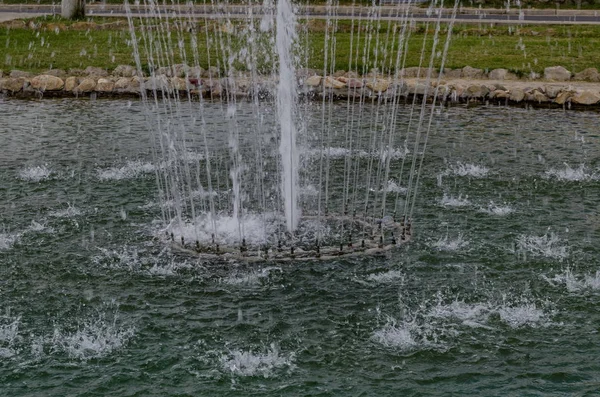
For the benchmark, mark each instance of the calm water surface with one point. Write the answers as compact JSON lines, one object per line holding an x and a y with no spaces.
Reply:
{"x":497,"y":295}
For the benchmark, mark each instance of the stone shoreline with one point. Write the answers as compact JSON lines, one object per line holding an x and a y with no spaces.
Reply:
{"x":557,"y":88}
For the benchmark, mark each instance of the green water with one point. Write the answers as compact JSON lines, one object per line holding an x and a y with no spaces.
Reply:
{"x":497,"y":295}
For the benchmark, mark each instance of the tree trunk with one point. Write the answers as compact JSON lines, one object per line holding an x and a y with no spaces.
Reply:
{"x":73,"y":9}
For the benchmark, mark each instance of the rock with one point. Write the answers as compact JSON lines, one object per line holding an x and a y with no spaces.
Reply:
{"x":105,"y":85}
{"x":71,"y":83}
{"x":517,"y":95}
{"x":76,"y":72}
{"x":351,"y":75}
{"x":180,"y":70}
{"x":418,"y":88}
{"x":304,"y":73}
{"x":472,"y":73}
{"x":215,"y":88}
{"x":195,"y":72}
{"x":94,"y":71}
{"x":553,"y":90}
{"x":339,"y":73}
{"x":586,"y":97}
{"x":378,"y":85}
{"x":354,"y":83}
{"x":557,"y":73}
{"x":12,"y":84}
{"x":589,"y":74}
{"x":57,"y":73}
{"x":1,"y":73}
{"x":125,"y":71}
{"x":477,"y":91}
{"x":46,"y":82}
{"x":537,"y":96}
{"x":453,"y":73}
{"x":313,"y":81}
{"x":15,"y":74}
{"x":211,"y":72}
{"x":563,"y":97}
{"x":122,"y":83}
{"x":330,"y":82}
{"x":502,"y":74}
{"x":86,"y":85}
{"x":416,"y":72}
{"x":499,"y":94}
{"x":158,"y":83}
{"x":179,"y":84}
{"x":498,"y":87}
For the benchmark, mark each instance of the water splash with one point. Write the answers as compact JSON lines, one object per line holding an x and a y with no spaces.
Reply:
{"x":470,"y":170}
{"x":36,"y":173}
{"x":451,"y":201}
{"x":580,"y":174}
{"x":497,"y":210}
{"x":549,"y":245}
{"x":69,"y":212}
{"x":132,"y":169}
{"x":575,"y":283}
{"x":96,"y":337}
{"x":448,"y":243}
{"x":9,"y":335}
{"x":8,"y":240}
{"x":265,"y":364}
{"x":391,"y":276}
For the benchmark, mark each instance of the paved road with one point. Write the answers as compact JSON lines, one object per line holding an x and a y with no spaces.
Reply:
{"x":513,"y":16}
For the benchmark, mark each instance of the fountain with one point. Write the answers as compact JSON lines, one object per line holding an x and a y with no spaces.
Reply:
{"x":295,"y":189}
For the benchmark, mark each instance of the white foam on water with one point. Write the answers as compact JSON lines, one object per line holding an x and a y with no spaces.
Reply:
{"x":131,"y":259}
{"x":255,"y":228}
{"x":265,"y":364}
{"x":402,"y":336}
{"x":132,"y":169}
{"x":450,"y":244}
{"x":308,"y":190}
{"x":497,"y":210}
{"x":39,"y":227}
{"x":470,"y":314}
{"x":393,"y":187}
{"x":35,"y":173}
{"x":69,"y":212}
{"x":548,"y":245}
{"x":451,"y":201}
{"x":8,"y":240}
{"x":391,"y":276}
{"x":471,"y":170}
{"x":575,"y":283}
{"x":94,"y":338}
{"x":580,"y":174}
{"x":250,"y":278}
{"x":9,"y":335}
{"x":527,"y":314}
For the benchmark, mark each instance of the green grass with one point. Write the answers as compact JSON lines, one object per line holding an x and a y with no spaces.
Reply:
{"x":51,"y":42}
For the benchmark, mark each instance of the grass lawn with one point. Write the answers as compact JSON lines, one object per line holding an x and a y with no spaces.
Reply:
{"x":50,"y":42}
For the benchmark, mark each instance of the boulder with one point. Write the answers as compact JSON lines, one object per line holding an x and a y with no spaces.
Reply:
{"x":86,"y":85}
{"x":339,"y":73}
{"x":517,"y":94}
{"x":557,"y":73}
{"x":125,"y":71}
{"x":354,"y":83}
{"x":122,"y":83}
{"x":12,"y":84}
{"x":553,"y":90}
{"x":419,"y":88}
{"x":1,"y":73}
{"x":304,"y":73}
{"x":45,"y":82}
{"x":589,"y":74}
{"x":586,"y":97}
{"x":94,"y":71}
{"x":15,"y":74}
{"x":158,"y":83}
{"x":71,"y":83}
{"x":330,"y":82}
{"x":537,"y":96}
{"x":502,"y":74}
{"x":499,"y":94}
{"x":416,"y":72}
{"x":453,"y":73}
{"x":477,"y":91}
{"x":313,"y":81}
{"x":351,"y":75}
{"x":563,"y":97}
{"x":195,"y":72}
{"x":105,"y":85}
{"x":378,"y":85}
{"x":76,"y":72}
{"x":57,"y":73}
{"x":129,"y":85}
{"x":178,"y":84}
{"x":472,"y":73}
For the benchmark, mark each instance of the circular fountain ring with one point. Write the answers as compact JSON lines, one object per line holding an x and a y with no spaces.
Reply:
{"x":374,"y":237}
